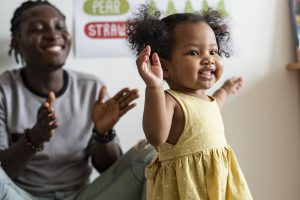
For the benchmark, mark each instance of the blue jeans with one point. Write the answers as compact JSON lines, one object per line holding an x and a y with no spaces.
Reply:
{"x":124,"y":180}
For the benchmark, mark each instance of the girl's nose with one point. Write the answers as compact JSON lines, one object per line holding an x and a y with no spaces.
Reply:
{"x":207,"y":60}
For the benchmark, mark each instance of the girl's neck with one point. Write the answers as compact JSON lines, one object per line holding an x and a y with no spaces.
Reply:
{"x":42,"y":82}
{"x":192,"y":92}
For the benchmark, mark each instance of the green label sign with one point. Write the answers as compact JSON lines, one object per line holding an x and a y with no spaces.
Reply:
{"x":106,"y":7}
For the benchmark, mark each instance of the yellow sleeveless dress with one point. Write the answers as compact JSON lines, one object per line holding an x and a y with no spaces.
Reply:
{"x":201,"y":166}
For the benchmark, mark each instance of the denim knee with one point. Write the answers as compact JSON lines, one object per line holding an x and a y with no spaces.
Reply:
{"x":138,"y":166}
{"x":138,"y":170}
{"x":145,"y":152}
{"x":3,"y":189}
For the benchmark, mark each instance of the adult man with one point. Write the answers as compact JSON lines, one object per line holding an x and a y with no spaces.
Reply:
{"x":46,"y":138}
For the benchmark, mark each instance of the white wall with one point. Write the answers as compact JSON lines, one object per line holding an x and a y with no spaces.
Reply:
{"x":262,"y":121}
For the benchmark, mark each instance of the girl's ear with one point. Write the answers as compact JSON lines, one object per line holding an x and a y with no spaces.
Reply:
{"x":165,"y":67}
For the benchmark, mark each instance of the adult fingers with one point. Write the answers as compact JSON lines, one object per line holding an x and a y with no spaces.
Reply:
{"x":121,"y":93}
{"x":51,"y":98}
{"x":44,"y":106}
{"x":128,"y":98}
{"x":53,"y":125}
{"x":102,"y":94}
{"x":127,"y":108}
{"x":44,"y":113}
{"x":50,"y":125}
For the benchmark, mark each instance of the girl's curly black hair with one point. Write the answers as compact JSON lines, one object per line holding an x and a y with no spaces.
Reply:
{"x":147,"y":29}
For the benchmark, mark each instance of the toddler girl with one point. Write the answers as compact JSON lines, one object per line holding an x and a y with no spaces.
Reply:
{"x":194,"y":160}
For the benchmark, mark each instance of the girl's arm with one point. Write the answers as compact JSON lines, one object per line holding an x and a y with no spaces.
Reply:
{"x":157,"y":117}
{"x":157,"y":113}
{"x":229,"y":87}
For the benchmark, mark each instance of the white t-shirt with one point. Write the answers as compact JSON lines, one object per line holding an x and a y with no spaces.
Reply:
{"x":64,"y":163}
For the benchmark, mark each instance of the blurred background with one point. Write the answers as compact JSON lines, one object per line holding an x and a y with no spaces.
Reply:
{"x":262,"y":121}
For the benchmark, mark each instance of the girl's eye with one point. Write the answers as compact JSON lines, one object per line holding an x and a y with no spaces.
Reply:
{"x":193,"y":53}
{"x":214,"y":52}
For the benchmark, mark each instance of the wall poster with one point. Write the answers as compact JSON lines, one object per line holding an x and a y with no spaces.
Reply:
{"x":99,"y":25}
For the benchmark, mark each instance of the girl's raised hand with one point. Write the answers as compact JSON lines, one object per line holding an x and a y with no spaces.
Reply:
{"x":151,"y":74}
{"x":232,"y":85}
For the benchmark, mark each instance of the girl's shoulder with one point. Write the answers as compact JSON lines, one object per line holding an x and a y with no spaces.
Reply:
{"x":173,"y":100}
{"x":170,"y":98}
{"x":174,"y":96}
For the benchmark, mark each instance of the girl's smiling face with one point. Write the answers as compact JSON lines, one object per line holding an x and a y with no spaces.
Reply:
{"x":195,"y":64}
